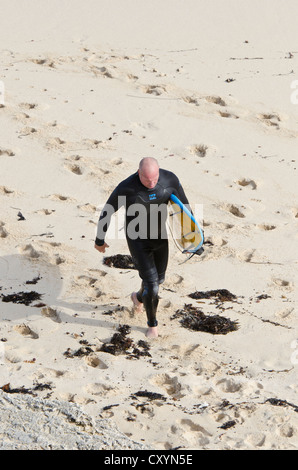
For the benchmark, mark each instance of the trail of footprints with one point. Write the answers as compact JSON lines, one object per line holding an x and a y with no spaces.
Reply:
{"x":111,"y":65}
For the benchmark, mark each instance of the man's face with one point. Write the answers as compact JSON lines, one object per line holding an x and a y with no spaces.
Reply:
{"x":149,"y":177}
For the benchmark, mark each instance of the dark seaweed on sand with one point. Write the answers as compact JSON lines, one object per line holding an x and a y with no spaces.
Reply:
{"x":148,"y":395}
{"x":22,"y":390}
{"x":194,"y":319}
{"x":144,"y":351}
{"x":119,"y":261}
{"x":34,"y":281}
{"x":228,"y":424}
{"x":83,"y":351}
{"x":222,"y":295}
{"x":25,"y":298}
{"x":278,"y":402}
{"x":119,"y":343}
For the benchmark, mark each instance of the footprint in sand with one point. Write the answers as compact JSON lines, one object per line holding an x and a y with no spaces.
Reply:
{"x":282,"y":284}
{"x":51,"y":313}
{"x":216,"y":241}
{"x":87,"y":207}
{"x":60,"y":197}
{"x":30,"y":251}
{"x":25,"y":330}
{"x":46,"y":62}
{"x":98,"y":272}
{"x":93,"y":143}
{"x":256,"y":439}
{"x":190,"y":100}
{"x":234,"y":210}
{"x":287,"y":430}
{"x":103,"y":72}
{"x":102,"y":389}
{"x":246,"y":256}
{"x":216,"y":100}
{"x":55,"y":143}
{"x":5,"y":191}
{"x":28,"y":105}
{"x":176,"y":279}
{"x":92,"y":360}
{"x":170,"y":384}
{"x":226,"y":114}
{"x":229,"y":385}
{"x":3,"y":232}
{"x":247,"y":183}
{"x":91,"y":285}
{"x":184,"y":351}
{"x":191,"y":432}
{"x":12,"y":358}
{"x":76,"y":169}
{"x":155,"y":90}
{"x":27,"y":131}
{"x":165,"y":303}
{"x":117,"y":161}
{"x":266,"y":227}
{"x":220,"y":225}
{"x":22,"y":117}
{"x":8,"y":153}
{"x":271,"y":119}
{"x":48,"y":372}
{"x":45,"y":211}
{"x":86,"y":280}
{"x":199,"y":150}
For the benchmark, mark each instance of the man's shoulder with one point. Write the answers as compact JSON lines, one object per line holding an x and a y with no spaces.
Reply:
{"x":128,"y":182}
{"x":168,"y":178}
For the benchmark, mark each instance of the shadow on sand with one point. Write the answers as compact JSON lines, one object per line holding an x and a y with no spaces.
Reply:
{"x":23,"y":279}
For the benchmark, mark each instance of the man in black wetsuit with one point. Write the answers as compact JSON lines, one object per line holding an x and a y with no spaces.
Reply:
{"x":144,"y":195}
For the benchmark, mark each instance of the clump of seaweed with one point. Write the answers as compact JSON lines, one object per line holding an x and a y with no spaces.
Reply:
{"x":119,"y":261}
{"x":228,"y":424}
{"x":82,"y":351}
{"x":278,"y":402}
{"x":221,"y":295}
{"x":119,"y":343}
{"x":34,"y":281}
{"x":194,"y":319}
{"x":142,"y":350}
{"x":25,"y":298}
{"x":22,"y":390}
{"x":148,"y":395}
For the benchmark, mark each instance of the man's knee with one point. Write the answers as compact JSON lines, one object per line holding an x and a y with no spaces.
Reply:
{"x":151,"y":289}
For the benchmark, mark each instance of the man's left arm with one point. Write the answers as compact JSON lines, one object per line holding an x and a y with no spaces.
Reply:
{"x":179,"y":192}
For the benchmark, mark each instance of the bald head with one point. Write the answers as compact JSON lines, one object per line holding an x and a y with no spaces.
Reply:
{"x":149,"y":172}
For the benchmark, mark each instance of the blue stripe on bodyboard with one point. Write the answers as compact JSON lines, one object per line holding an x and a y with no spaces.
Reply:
{"x":190,"y":215}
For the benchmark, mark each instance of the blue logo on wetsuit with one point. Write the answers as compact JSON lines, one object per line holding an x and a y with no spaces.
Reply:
{"x":152,"y":196}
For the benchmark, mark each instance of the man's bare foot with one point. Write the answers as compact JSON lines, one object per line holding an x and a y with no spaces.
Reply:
{"x":137,"y":306}
{"x":152,"y":332}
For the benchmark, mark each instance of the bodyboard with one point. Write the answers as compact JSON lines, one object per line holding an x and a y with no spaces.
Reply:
{"x":184,"y":228}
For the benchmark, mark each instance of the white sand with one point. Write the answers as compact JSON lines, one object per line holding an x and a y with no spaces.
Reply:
{"x":89,"y":90}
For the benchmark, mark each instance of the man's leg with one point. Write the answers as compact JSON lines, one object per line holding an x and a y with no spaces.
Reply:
{"x":151,"y":259}
{"x":142,"y":254}
{"x":161,"y":256}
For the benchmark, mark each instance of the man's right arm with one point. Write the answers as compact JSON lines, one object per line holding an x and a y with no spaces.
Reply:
{"x":111,"y":206}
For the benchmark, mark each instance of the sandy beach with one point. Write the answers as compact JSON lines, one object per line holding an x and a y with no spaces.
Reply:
{"x":208,"y":89}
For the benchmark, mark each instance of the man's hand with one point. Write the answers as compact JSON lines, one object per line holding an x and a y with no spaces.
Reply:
{"x":102,"y":248}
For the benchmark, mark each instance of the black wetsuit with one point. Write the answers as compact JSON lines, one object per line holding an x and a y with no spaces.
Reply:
{"x":145,"y":229}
